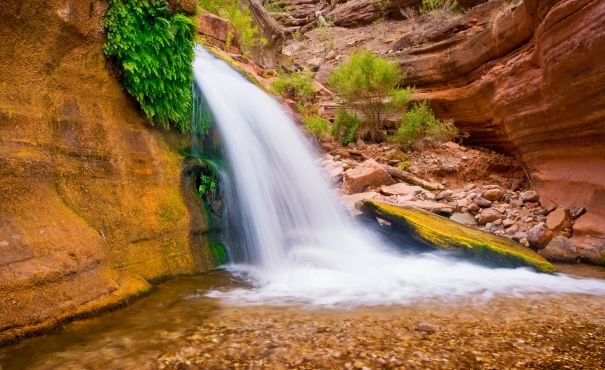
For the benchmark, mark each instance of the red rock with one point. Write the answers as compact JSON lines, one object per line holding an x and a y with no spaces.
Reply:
{"x":400,"y":189}
{"x":488,"y":215}
{"x":560,"y":249}
{"x":494,"y":194}
{"x":368,"y":173}
{"x":530,"y":80}
{"x":558,"y":219}
{"x":214,"y":26}
{"x":482,"y":202}
{"x":539,"y":236}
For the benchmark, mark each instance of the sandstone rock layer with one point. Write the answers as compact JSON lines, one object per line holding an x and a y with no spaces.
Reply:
{"x":528,"y":80}
{"x":92,"y":198}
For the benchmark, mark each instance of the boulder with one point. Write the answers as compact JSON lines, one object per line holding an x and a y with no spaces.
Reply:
{"x":482,"y":202}
{"x":558,"y":219}
{"x":493,"y":194}
{"x":539,"y":236}
{"x":440,"y":233}
{"x":487,"y":215}
{"x":463,"y":218}
{"x":400,"y":189}
{"x":529,"y":196}
{"x":214,"y":26}
{"x":368,"y":173}
{"x":560,"y":249}
{"x":446,"y":194}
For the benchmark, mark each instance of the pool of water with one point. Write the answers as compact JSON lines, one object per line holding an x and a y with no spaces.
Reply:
{"x":178,"y":326}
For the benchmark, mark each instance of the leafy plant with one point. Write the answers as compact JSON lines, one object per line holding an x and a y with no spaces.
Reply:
{"x":296,"y":86}
{"x":419,"y":125}
{"x":345,"y":127}
{"x":248,"y":35}
{"x":369,"y":83}
{"x":316,"y":125}
{"x":154,"y":51}
{"x":208,"y":184}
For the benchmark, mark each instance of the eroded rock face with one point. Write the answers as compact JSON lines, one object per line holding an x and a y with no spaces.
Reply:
{"x":529,"y":80}
{"x":91,"y":203}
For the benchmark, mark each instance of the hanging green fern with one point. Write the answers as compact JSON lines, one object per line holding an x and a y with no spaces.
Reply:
{"x":154,"y":50}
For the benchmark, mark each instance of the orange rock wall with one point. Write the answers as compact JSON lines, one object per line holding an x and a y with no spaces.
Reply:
{"x":92,"y":198}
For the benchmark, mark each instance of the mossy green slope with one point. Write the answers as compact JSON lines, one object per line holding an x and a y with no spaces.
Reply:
{"x":444,"y":234}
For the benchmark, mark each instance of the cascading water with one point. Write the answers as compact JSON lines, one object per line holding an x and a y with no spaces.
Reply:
{"x":299,"y":245}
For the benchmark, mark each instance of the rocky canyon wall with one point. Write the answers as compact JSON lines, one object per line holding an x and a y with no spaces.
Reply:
{"x":93,"y":200}
{"x":527,"y":79}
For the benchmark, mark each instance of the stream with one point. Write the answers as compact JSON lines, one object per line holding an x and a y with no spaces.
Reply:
{"x":179,"y":326}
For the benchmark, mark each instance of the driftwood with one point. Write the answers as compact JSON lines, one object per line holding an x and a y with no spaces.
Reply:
{"x":266,"y":55}
{"x":411,"y":179}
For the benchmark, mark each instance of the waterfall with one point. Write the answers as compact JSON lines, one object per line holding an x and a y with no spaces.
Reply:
{"x":297,"y":244}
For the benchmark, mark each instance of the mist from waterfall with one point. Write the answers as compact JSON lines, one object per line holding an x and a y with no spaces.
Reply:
{"x":296,"y":244}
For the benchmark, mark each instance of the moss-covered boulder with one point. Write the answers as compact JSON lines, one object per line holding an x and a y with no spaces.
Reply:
{"x":440,"y":233}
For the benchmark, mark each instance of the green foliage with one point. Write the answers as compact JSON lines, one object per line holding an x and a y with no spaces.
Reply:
{"x":248,"y":35}
{"x":419,"y":125}
{"x":345,"y":127}
{"x":433,"y":6}
{"x":316,"y":125}
{"x":208,"y":184}
{"x":369,"y":83}
{"x":218,"y":253}
{"x":296,"y":86}
{"x":154,"y":50}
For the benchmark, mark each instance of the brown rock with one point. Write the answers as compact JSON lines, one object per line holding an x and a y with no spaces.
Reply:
{"x":473,"y":207}
{"x":368,"y":173}
{"x":463,"y":218}
{"x":558,"y":219}
{"x":214,"y":26}
{"x":560,"y":249}
{"x":400,"y":189}
{"x":494,"y":194}
{"x":512,"y":229}
{"x":482,"y":202}
{"x":487,"y":215}
{"x":539,"y":236}
{"x":529,"y":196}
{"x":184,"y":6}
{"x":435,"y":207}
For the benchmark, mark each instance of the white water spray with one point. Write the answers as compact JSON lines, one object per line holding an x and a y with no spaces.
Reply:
{"x":300,"y":246}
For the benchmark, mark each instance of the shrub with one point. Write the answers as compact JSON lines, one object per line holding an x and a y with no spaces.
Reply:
{"x":419,"y":125}
{"x":438,"y":6}
{"x":248,"y":35}
{"x":296,"y":86}
{"x":154,"y":51}
{"x":316,"y":125}
{"x":345,"y":127}
{"x":369,"y":83}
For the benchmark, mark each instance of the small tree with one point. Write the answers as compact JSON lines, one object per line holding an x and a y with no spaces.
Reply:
{"x":369,"y":83}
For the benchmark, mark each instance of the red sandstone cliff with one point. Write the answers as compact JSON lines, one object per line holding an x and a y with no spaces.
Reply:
{"x":528,"y":80}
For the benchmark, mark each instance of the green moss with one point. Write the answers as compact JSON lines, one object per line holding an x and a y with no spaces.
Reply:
{"x":218,"y":253}
{"x":154,"y":52}
{"x":448,"y":235}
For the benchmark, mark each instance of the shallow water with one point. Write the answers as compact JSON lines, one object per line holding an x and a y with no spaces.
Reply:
{"x":179,"y":325}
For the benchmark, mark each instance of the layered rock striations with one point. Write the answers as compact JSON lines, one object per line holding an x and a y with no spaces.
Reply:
{"x":93,"y":200}
{"x":528,"y":79}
